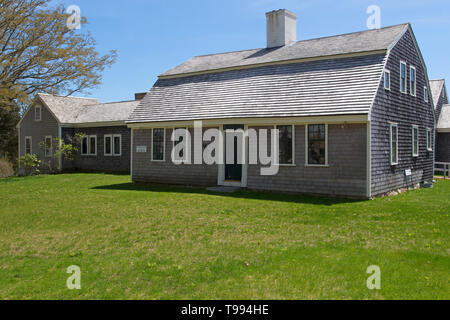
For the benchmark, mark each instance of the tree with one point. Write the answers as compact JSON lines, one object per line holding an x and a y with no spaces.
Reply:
{"x":39,"y":53}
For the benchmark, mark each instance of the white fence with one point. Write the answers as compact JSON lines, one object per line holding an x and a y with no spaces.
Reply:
{"x":443,"y":167}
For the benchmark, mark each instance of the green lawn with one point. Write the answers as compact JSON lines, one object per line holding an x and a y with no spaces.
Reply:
{"x":144,"y":242}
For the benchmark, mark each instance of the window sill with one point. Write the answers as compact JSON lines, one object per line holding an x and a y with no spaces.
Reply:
{"x":158,"y":160}
{"x":317,"y":165}
{"x":288,"y":165}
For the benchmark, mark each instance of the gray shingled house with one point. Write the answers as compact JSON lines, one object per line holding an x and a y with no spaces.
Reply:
{"x":105,"y":145}
{"x":354,"y":112}
{"x":440,"y":100}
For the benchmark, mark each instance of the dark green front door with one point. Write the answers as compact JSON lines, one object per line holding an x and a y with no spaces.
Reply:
{"x":233,"y":171}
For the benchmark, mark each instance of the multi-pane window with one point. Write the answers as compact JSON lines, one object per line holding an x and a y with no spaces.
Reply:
{"x":394,"y":143}
{"x":181,"y":136}
{"x":108,"y":145}
{"x":158,"y":138}
{"x":92,"y":145}
{"x":415,"y":141}
{"x":317,"y":144}
{"x":285,"y":143}
{"x":48,"y":146}
{"x":425,"y":94}
{"x":84,"y":146}
{"x":38,"y":113}
{"x":113,"y":145}
{"x":403,"y":77}
{"x":429,"y":140}
{"x":117,"y":145}
{"x":412,"y":81}
{"x":89,"y":145}
{"x":387,"y":80}
{"x":28,"y":149}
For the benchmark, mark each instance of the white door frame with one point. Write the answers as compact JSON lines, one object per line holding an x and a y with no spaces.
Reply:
{"x":221,"y":167}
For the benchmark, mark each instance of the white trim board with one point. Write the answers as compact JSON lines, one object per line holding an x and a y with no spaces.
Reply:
{"x":336,"y":119}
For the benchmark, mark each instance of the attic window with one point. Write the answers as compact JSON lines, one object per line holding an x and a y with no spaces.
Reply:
{"x":38,"y":113}
{"x":425,"y":94}
{"x":412,"y":81}
{"x":387,"y":80}
{"x":403,"y":77}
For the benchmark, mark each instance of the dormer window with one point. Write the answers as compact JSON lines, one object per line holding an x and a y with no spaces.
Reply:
{"x":38,"y":113}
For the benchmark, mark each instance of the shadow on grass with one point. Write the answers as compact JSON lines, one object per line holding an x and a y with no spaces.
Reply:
{"x":243,"y":194}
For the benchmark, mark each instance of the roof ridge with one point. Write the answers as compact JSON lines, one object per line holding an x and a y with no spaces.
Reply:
{"x":113,"y":102}
{"x":305,"y":40}
{"x":72,"y":97}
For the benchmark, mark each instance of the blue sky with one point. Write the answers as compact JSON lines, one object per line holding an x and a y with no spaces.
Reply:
{"x":152,"y":36}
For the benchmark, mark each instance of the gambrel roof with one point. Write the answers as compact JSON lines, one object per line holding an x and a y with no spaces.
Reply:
{"x":336,"y":75}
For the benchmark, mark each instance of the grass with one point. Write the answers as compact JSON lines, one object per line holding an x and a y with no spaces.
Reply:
{"x":155,"y":242}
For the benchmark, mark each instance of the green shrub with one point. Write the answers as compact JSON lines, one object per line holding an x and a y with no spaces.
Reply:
{"x":30,"y":164}
{"x":6,"y":169}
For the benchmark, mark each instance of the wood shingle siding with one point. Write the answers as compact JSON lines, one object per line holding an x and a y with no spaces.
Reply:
{"x":406,"y":110}
{"x":345,"y":174}
{"x":100,"y":162}
{"x":38,"y":130}
{"x":166,"y":172}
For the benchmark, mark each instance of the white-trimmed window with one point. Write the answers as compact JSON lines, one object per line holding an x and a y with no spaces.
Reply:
{"x":48,"y":146}
{"x":89,"y":146}
{"x":38,"y":113}
{"x":415,"y":141}
{"x":117,"y":145}
{"x":92,"y":145}
{"x":158,"y":144}
{"x":181,"y":135}
{"x":108,"y":145}
{"x":412,"y":81}
{"x":402,"y":77}
{"x":28,"y":145}
{"x":425,"y":94}
{"x":317,"y":144}
{"x":286,"y":144}
{"x":394,"y":143}
{"x":429,"y":139}
{"x":84,"y":146}
{"x":387,"y":80}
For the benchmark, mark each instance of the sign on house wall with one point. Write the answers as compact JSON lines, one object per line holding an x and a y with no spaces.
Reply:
{"x":141,"y":149}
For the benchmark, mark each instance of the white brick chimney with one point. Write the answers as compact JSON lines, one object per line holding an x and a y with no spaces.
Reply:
{"x":281,"y":28}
